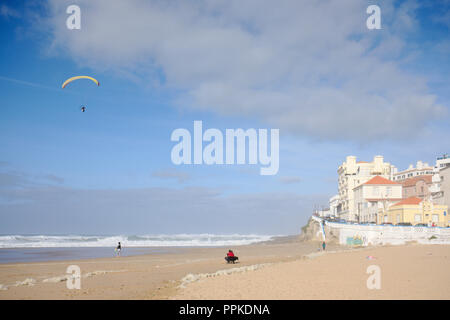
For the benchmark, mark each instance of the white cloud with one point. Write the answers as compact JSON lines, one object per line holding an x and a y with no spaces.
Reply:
{"x":306,"y":67}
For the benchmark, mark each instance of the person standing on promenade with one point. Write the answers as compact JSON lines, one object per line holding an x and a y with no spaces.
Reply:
{"x":323,"y":245}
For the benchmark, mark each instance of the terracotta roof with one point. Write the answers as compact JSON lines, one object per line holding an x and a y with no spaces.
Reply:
{"x":412,"y":181}
{"x":380,"y":180}
{"x":362,"y":162}
{"x":409,"y":201}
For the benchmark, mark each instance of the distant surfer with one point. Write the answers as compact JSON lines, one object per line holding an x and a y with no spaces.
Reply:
{"x":118,"y":249}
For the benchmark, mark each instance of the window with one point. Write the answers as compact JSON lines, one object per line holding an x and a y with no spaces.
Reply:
{"x":398,"y":218}
{"x":435,"y":218}
{"x":418,"y":218}
{"x":376,"y":190}
{"x":388,"y":191}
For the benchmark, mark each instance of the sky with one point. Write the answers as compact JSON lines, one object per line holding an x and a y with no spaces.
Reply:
{"x":311,"y":69}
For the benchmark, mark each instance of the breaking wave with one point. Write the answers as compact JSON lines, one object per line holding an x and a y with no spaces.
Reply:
{"x":177,"y":240}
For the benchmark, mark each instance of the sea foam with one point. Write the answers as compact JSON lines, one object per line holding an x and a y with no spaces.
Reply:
{"x":177,"y":240}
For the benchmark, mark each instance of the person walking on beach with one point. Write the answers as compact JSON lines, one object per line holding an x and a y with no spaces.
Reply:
{"x":323,"y":245}
{"x":118,"y":249}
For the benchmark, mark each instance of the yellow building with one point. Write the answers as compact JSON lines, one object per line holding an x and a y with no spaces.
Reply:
{"x":417,"y":211}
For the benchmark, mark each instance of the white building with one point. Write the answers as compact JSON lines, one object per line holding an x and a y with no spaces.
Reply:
{"x":334,"y":205}
{"x":442,"y":162}
{"x":352,"y":174}
{"x":323,"y":213}
{"x":374,"y":197}
{"x":437,"y":187}
{"x":422,"y":168}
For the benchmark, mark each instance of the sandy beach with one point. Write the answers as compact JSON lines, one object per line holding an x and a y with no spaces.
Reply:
{"x":147,"y":276}
{"x":282,"y":269}
{"x":407,"y":272}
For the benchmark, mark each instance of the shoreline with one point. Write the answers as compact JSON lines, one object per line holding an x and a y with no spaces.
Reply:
{"x":9,"y":255}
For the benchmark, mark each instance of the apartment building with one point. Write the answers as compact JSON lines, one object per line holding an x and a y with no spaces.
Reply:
{"x":374,"y":197}
{"x":422,"y":168}
{"x":442,"y":162}
{"x":353,"y":173}
{"x":334,"y":206}
{"x":440,"y":189}
{"x":418,"y":186}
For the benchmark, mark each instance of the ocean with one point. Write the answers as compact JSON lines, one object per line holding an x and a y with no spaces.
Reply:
{"x":35,"y":248}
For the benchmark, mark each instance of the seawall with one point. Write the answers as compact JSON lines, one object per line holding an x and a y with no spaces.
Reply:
{"x":364,"y":235}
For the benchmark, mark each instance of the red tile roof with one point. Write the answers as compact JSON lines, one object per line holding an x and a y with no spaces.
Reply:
{"x":409,"y":201}
{"x":380,"y":180}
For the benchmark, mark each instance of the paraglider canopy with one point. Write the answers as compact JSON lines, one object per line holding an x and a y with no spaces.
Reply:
{"x":79,"y":77}
{"x":83,"y":106}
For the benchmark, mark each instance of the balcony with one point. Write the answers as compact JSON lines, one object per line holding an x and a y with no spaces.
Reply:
{"x":434,"y":188}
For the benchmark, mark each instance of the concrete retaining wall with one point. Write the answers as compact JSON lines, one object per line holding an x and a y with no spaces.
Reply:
{"x":364,"y":235}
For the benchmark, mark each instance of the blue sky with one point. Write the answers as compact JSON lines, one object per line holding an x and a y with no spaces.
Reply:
{"x":310,"y":69}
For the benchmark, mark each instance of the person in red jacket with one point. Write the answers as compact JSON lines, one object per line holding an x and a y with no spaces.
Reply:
{"x":231,"y":258}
